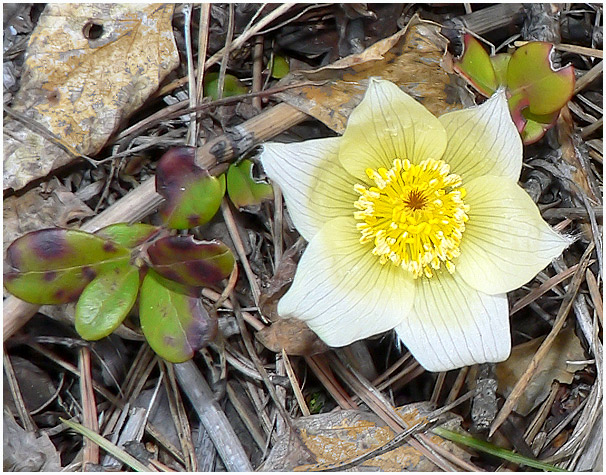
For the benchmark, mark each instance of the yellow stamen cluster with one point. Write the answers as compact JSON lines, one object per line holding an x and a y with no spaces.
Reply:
{"x":415,"y":215}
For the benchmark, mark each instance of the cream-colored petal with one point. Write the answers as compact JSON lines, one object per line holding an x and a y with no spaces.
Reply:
{"x":315,"y":185}
{"x":389,"y":124}
{"x":342,"y":291}
{"x":452,"y":325}
{"x":483,"y":140}
{"x":506,"y":242}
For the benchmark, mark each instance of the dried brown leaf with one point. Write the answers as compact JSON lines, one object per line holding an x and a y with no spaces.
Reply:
{"x":411,"y":58}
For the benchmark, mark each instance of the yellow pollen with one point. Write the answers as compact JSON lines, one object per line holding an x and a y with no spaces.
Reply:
{"x":415,"y":215}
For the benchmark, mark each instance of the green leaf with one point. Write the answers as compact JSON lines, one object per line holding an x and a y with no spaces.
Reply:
{"x":189,"y":262}
{"x":494,"y":450}
{"x":128,"y":235}
{"x":500,"y":63}
{"x":52,"y":266}
{"x":475,"y":66}
{"x":279,"y":67}
{"x":531,"y":74}
{"x":231,"y":86}
{"x":106,"y":301}
{"x":192,"y":195}
{"x":243,"y":189}
{"x":175,"y":325}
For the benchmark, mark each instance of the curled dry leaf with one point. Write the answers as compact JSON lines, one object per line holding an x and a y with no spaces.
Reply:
{"x":567,"y":347}
{"x":410,"y":58}
{"x":292,"y":336}
{"x":87,"y":68}
{"x":46,"y":206}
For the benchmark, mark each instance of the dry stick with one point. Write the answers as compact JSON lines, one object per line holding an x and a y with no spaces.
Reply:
{"x":26,"y":420}
{"x":295,"y":384}
{"x":202,"y":48}
{"x":188,"y":10}
{"x":257,"y":79}
{"x":243,"y":38}
{"x":143,"y":200}
{"x":225,"y":59}
{"x":212,"y":417}
{"x":232,"y":228}
{"x":89,"y":408}
{"x":563,"y":312}
{"x":596,"y":297}
{"x":180,"y":420}
{"x":589,"y":77}
{"x":541,"y":289}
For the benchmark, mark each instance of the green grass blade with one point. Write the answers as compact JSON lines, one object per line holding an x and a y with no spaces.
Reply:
{"x":106,"y":445}
{"x":493,"y":450}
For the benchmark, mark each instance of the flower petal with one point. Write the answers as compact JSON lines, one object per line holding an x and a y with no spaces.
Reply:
{"x":315,"y":185}
{"x":506,"y":242}
{"x":389,"y":124}
{"x":452,"y":325}
{"x":342,"y":291}
{"x":483,"y":140}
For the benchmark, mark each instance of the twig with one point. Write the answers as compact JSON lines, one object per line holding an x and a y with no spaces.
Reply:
{"x":563,"y":312}
{"x":89,"y":408}
{"x":589,"y":77}
{"x":212,"y":417}
{"x":295,"y":384}
{"x":202,"y":48}
{"x":257,"y":79}
{"x":239,"y":245}
{"x":192,"y":133}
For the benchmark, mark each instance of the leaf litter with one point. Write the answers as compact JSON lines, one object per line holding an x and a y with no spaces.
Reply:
{"x":563,"y":173}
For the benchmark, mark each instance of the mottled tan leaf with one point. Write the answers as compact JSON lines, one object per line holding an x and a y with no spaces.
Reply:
{"x":411,"y":58}
{"x":87,"y":68}
{"x":336,"y":437}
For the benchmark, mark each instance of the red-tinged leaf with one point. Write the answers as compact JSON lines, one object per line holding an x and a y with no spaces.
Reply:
{"x":128,"y":235}
{"x":517,"y":104}
{"x":52,"y":266}
{"x":106,"y":301}
{"x":189,"y":262}
{"x":533,"y":131}
{"x":175,"y":325}
{"x":475,"y":66}
{"x":531,"y":74}
{"x":243,"y":190}
{"x":192,"y":195}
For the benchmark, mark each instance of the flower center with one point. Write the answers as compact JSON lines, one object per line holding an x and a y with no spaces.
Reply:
{"x":415,"y":215}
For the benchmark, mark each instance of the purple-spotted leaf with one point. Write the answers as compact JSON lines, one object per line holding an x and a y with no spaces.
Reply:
{"x":192,"y":195}
{"x":106,"y":301}
{"x":475,"y":66}
{"x":189,"y":262}
{"x":243,"y":189}
{"x":52,"y":266}
{"x":175,"y":325}
{"x":531,"y":74}
{"x":128,"y":235}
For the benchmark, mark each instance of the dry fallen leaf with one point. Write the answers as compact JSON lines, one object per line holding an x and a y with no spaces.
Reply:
{"x":87,"y":68}
{"x":567,"y":347}
{"x":411,"y":58}
{"x":292,"y":336}
{"x":337,"y":437}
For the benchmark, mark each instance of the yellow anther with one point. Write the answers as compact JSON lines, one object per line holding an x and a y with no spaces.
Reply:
{"x":414,"y":215}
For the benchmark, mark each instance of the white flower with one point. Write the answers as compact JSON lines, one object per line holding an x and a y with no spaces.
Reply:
{"x":414,"y":223}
